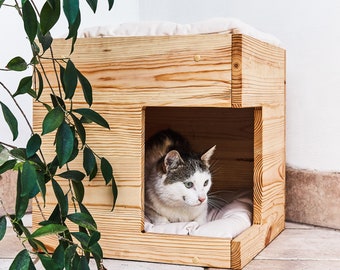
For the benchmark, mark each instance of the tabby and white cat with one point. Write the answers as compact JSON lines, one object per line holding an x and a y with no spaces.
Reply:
{"x":177,"y":180}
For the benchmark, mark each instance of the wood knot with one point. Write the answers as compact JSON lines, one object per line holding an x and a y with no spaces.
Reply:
{"x":197,"y":58}
{"x":236,"y":65}
{"x":195,"y":260}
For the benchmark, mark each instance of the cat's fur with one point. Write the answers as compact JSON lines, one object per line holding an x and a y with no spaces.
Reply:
{"x":177,"y":180}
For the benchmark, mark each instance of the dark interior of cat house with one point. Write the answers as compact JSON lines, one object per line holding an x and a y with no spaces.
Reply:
{"x":230,"y":129}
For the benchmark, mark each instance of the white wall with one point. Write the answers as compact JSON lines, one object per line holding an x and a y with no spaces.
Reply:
{"x":309,"y":30}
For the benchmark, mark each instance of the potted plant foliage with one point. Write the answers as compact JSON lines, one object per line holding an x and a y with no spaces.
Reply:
{"x":66,"y":123}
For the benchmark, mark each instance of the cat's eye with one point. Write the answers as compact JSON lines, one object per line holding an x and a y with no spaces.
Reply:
{"x":206,"y":183}
{"x":188,"y":184}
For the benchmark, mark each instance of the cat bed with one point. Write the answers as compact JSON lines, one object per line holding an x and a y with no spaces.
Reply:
{"x":230,"y":213}
{"x":164,"y":28}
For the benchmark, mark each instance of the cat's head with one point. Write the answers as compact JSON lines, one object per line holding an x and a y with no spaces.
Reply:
{"x":187,"y":179}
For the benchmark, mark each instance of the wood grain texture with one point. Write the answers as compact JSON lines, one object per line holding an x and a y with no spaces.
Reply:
{"x":218,"y":89}
{"x":258,"y":72}
{"x":269,"y":165}
{"x":156,"y":71}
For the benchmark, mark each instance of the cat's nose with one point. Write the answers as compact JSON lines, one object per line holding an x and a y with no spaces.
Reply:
{"x":201,"y":199}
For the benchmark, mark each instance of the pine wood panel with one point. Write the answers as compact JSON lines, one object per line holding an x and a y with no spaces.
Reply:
{"x":269,"y":168}
{"x":156,"y":71}
{"x":258,"y":72}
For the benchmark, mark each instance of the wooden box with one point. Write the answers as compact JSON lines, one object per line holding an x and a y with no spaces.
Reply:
{"x":223,"y":89}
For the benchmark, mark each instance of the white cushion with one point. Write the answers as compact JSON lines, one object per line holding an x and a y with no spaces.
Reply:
{"x":163,"y":28}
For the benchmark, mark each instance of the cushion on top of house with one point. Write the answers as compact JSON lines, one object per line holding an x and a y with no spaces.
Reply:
{"x":164,"y":28}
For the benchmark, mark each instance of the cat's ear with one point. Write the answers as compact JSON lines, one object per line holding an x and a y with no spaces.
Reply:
{"x":207,"y":155}
{"x":172,"y":160}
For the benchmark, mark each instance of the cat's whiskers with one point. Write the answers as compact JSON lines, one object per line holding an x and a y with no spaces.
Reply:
{"x":216,"y":201}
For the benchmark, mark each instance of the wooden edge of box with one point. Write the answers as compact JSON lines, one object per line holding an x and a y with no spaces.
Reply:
{"x":249,"y":243}
{"x":257,"y":67}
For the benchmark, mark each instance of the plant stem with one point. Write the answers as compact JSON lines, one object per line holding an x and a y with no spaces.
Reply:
{"x":55,"y":71}
{"x":19,"y":108}
{"x":8,"y":145}
{"x":17,"y":7}
{"x":39,"y":207}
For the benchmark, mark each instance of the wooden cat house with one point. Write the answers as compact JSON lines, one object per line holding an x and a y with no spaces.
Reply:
{"x":217,"y":89}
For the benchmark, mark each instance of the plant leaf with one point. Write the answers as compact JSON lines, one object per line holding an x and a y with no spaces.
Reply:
{"x":17,"y":224}
{"x":17,"y":64}
{"x":61,"y":198}
{"x":93,"y":174}
{"x":74,"y":39}
{"x":94,"y":238}
{"x":22,"y":261}
{"x":40,"y":245}
{"x":83,"y":208}
{"x":10,"y":120}
{"x":8,"y":165}
{"x":58,"y":256}
{"x":107,"y":173}
{"x":70,"y":255}
{"x":49,"y":16}
{"x":83,"y":264}
{"x":71,"y":10}
{"x":24,"y":87}
{"x":3,"y":226}
{"x":30,"y":20}
{"x":87,"y":88}
{"x":64,"y":143}
{"x":57,"y":101}
{"x":74,"y":175}
{"x":42,"y":185}
{"x":75,"y":146}
{"x":97,"y":253}
{"x":106,"y":169}
{"x":49,"y":229}
{"x":70,"y":80}
{"x":79,"y":190}
{"x":48,"y":262}
{"x":73,"y":30}
{"x":114,"y":193}
{"x":41,"y":84}
{"x":83,"y":220}
{"x":93,"y":116}
{"x":92,"y":4}
{"x":82,"y":237}
{"x":111,"y":2}
{"x":45,"y":40}
{"x":21,"y":203}
{"x":33,"y":145}
{"x":19,"y":153}
{"x":89,"y":160}
{"x":53,"y":120}
{"x":53,"y":166}
{"x":80,"y":128}
{"x":4,"y":154}
{"x":28,"y":179}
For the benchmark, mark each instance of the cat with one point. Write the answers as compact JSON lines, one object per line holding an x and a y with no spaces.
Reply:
{"x":177,"y":180}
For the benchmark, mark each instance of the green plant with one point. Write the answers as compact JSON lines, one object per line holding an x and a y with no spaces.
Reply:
{"x":66,"y":123}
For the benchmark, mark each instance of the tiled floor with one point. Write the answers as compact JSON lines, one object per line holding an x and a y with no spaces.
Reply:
{"x":297,"y":247}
